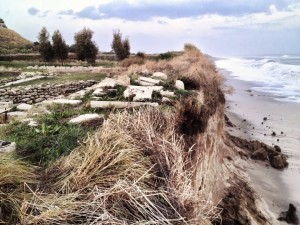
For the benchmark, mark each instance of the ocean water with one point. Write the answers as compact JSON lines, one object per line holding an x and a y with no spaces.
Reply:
{"x":277,"y":75}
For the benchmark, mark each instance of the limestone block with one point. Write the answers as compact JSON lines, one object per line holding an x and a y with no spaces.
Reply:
{"x":119,"y":104}
{"x":160,"y":75}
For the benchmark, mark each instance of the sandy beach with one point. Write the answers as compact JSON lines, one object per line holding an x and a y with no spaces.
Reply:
{"x":247,"y":109}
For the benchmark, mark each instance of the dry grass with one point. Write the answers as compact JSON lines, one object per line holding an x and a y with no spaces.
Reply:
{"x":15,"y":174}
{"x":9,"y":37}
{"x":133,"y":60}
{"x":133,"y":171}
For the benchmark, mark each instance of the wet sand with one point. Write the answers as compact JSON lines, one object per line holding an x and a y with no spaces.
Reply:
{"x":246,"y":109}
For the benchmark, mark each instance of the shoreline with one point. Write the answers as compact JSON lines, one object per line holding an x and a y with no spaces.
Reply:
{"x":246,"y":109}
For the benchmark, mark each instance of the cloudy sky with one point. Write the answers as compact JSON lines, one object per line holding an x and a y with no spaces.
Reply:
{"x":217,"y":27}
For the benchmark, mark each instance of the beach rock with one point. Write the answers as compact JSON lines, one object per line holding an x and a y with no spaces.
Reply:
{"x":6,"y":146}
{"x":227,"y":121}
{"x":265,"y":118}
{"x":160,"y":75}
{"x":277,"y":148}
{"x":24,"y":107}
{"x":260,"y":154}
{"x":290,"y":216}
{"x":179,"y":84}
{"x":278,"y":161}
{"x":273,"y":133}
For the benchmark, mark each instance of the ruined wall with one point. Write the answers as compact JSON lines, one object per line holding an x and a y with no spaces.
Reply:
{"x":43,"y":92}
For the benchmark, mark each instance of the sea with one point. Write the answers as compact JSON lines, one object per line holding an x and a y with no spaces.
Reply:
{"x":277,"y":75}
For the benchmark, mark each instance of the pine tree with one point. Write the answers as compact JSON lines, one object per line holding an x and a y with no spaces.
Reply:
{"x":60,"y":48}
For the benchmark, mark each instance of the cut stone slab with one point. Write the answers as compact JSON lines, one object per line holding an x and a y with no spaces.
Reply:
{"x":146,"y":81}
{"x":5,"y":105}
{"x":179,"y":84}
{"x":16,"y":115}
{"x":120,"y":105}
{"x":166,"y":100}
{"x":107,"y":82}
{"x":87,"y":118}
{"x":167,"y":93}
{"x":23,"y":80}
{"x":98,"y":92}
{"x":160,"y":75}
{"x":141,"y":92}
{"x":79,"y":94}
{"x":63,"y":101}
{"x":24,"y":107}
{"x":6,"y":147}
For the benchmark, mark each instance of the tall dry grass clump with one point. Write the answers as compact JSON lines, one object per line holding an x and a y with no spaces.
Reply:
{"x":15,"y":177}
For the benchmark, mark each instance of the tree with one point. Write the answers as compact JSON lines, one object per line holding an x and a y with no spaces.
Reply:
{"x":60,"y":48}
{"x":45,"y":47}
{"x":85,"y":48}
{"x":120,"y":47}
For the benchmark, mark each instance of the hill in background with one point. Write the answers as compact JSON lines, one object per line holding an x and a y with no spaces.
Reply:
{"x":12,"y":42}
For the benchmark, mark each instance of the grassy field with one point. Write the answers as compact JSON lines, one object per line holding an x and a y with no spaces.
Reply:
{"x":63,"y":78}
{"x":23,"y":64}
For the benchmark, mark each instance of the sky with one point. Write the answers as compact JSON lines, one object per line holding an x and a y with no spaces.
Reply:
{"x":217,"y":27}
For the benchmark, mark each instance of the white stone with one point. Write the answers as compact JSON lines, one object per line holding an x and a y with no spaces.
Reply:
{"x":98,"y":92}
{"x":141,"y":92}
{"x":123,"y":80}
{"x":179,"y":84}
{"x":167,"y":93}
{"x":63,"y":101}
{"x":79,"y":94}
{"x":119,"y":105}
{"x":16,"y":115}
{"x":23,"y":80}
{"x":5,"y":106}
{"x":165,"y":100}
{"x":160,"y":75}
{"x":146,"y":81}
{"x":107,"y":82}
{"x":24,"y":107}
{"x":86,"y":118}
{"x":8,"y":148}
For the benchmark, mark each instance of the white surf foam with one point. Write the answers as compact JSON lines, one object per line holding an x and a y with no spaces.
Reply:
{"x":276,"y":75}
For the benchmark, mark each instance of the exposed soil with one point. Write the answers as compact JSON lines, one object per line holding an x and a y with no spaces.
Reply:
{"x":239,"y":206}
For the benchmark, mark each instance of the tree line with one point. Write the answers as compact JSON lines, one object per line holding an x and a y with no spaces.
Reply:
{"x":85,"y":48}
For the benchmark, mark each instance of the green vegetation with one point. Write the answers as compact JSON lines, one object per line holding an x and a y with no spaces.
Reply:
{"x":120,"y":47}
{"x":63,"y":78}
{"x":12,"y":42}
{"x":60,"y":48}
{"x":85,"y":48}
{"x":45,"y":47}
{"x":54,"y":138}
